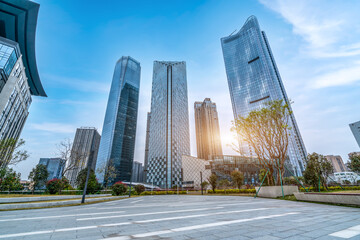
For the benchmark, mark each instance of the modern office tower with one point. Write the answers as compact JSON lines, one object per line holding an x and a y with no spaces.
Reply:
{"x":147,"y":145}
{"x":254,"y":79}
{"x":54,"y":166}
{"x":169,"y":126}
{"x":118,"y":137}
{"x":208,"y":140}
{"x":137,"y":172}
{"x":355,"y":128}
{"x":18,"y":71}
{"x":84,"y":152}
{"x":337,"y":163}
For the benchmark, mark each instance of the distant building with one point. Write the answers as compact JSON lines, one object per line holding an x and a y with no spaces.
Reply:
{"x":355,"y":128}
{"x":83,"y":153}
{"x":341,"y":177}
{"x":137,"y":172}
{"x":169,"y":125}
{"x":147,"y":145}
{"x":337,"y":163}
{"x":254,"y":79}
{"x":119,"y":130}
{"x":191,"y":168}
{"x":208,"y":140}
{"x":54,"y":166}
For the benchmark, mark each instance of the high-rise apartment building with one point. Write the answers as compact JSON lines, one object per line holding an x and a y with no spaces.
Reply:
{"x":337,"y":163}
{"x":54,"y":166}
{"x":169,"y":125}
{"x":147,"y":144}
{"x":208,"y":140}
{"x":19,"y":78}
{"x":84,"y":152}
{"x":117,"y":144}
{"x":254,"y":79}
{"x":355,"y":128}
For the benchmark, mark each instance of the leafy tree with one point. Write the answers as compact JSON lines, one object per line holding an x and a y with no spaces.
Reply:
{"x":11,"y":152}
{"x":204,"y":184}
{"x":354,"y":163}
{"x":290,"y":181}
{"x":9,"y":180}
{"x":119,"y":188}
{"x":38,"y":176}
{"x":237,"y":178}
{"x":213,"y":181}
{"x":317,"y":166}
{"x":139,"y":188}
{"x":267,"y":132}
{"x":109,"y":172}
{"x":93,"y":184}
{"x":224,"y":184}
{"x":262,"y":175}
{"x":54,"y":186}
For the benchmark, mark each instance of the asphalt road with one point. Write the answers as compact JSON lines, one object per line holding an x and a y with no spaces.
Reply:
{"x":185,"y":217}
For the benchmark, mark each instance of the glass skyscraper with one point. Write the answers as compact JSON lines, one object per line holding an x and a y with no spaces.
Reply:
{"x":169,"y":124}
{"x":254,"y":79}
{"x":118,"y":135}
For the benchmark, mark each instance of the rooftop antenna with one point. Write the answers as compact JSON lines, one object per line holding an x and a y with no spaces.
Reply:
{"x":232,"y":32}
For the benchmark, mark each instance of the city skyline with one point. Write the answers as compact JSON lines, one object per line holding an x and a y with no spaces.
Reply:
{"x":322,"y":109}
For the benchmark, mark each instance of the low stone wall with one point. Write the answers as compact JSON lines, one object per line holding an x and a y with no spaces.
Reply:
{"x":47,"y":198}
{"x":337,"y":198}
{"x":275,"y":191}
{"x":51,"y":204}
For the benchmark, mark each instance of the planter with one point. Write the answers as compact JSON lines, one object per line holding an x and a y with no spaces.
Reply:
{"x":337,"y":198}
{"x":275,"y":191}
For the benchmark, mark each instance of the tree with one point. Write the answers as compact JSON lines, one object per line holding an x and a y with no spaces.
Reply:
{"x":9,"y":180}
{"x":38,"y":176}
{"x":109,"y":172}
{"x":354,"y":163}
{"x":224,"y":184}
{"x":213,"y":181}
{"x":261,"y":177}
{"x":267,"y":131}
{"x":119,"y":188}
{"x":11,"y":152}
{"x":237,"y":178}
{"x":204,"y":184}
{"x":317,"y":166}
{"x":139,"y":188}
{"x":93,"y":184}
{"x":57,"y":185}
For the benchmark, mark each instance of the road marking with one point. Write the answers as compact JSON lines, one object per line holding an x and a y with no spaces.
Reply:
{"x":347,"y":233}
{"x":59,"y":216}
{"x":201,"y":226}
{"x":137,"y":201}
{"x":151,"y":213}
{"x":124,"y":223}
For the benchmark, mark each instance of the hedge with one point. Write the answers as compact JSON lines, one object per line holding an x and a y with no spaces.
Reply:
{"x":230,"y":191}
{"x":162,"y":192}
{"x":337,"y":188}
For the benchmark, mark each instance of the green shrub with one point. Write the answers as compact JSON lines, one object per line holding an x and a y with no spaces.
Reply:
{"x":139,"y":189}
{"x":162,"y":192}
{"x":232,"y":191}
{"x":119,"y":188}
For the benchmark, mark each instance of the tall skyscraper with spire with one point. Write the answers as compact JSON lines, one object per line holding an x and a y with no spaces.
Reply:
{"x":208,"y":140}
{"x":254,"y":79}
{"x":169,"y":124}
{"x":117,"y":145}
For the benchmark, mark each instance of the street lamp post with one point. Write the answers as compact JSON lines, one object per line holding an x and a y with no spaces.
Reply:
{"x":87,"y":179}
{"x":201,"y":183}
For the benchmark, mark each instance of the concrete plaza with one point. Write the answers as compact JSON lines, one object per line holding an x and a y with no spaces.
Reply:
{"x":185,"y":217}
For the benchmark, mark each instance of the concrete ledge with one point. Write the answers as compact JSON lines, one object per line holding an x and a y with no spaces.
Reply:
{"x":337,"y":198}
{"x":47,"y":198}
{"x":51,"y":204}
{"x":275,"y":191}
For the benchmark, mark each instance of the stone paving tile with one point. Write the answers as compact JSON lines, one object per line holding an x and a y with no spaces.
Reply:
{"x":286,"y":234}
{"x":266,"y":237}
{"x":316,"y":233}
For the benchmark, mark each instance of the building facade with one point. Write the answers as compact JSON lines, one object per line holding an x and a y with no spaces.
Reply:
{"x":337,"y":163}
{"x":84,"y":152}
{"x":208,"y":140}
{"x":147,"y":145}
{"x":194,"y":171}
{"x":169,"y":126}
{"x":117,"y":144}
{"x":15,"y":97}
{"x":137,"y":172}
{"x":54,"y":166}
{"x":355,"y":129}
{"x":254,"y":79}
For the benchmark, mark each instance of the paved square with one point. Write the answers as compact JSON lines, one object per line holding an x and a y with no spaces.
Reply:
{"x":185,"y":217}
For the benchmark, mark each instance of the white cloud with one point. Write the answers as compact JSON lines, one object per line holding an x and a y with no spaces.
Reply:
{"x":53,"y":127}
{"x":326,"y":26}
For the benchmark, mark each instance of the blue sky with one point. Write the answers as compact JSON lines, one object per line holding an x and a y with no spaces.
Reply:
{"x":316,"y":45}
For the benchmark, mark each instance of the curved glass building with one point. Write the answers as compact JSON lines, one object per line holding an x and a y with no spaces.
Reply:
{"x":254,"y":79}
{"x":117,"y":143}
